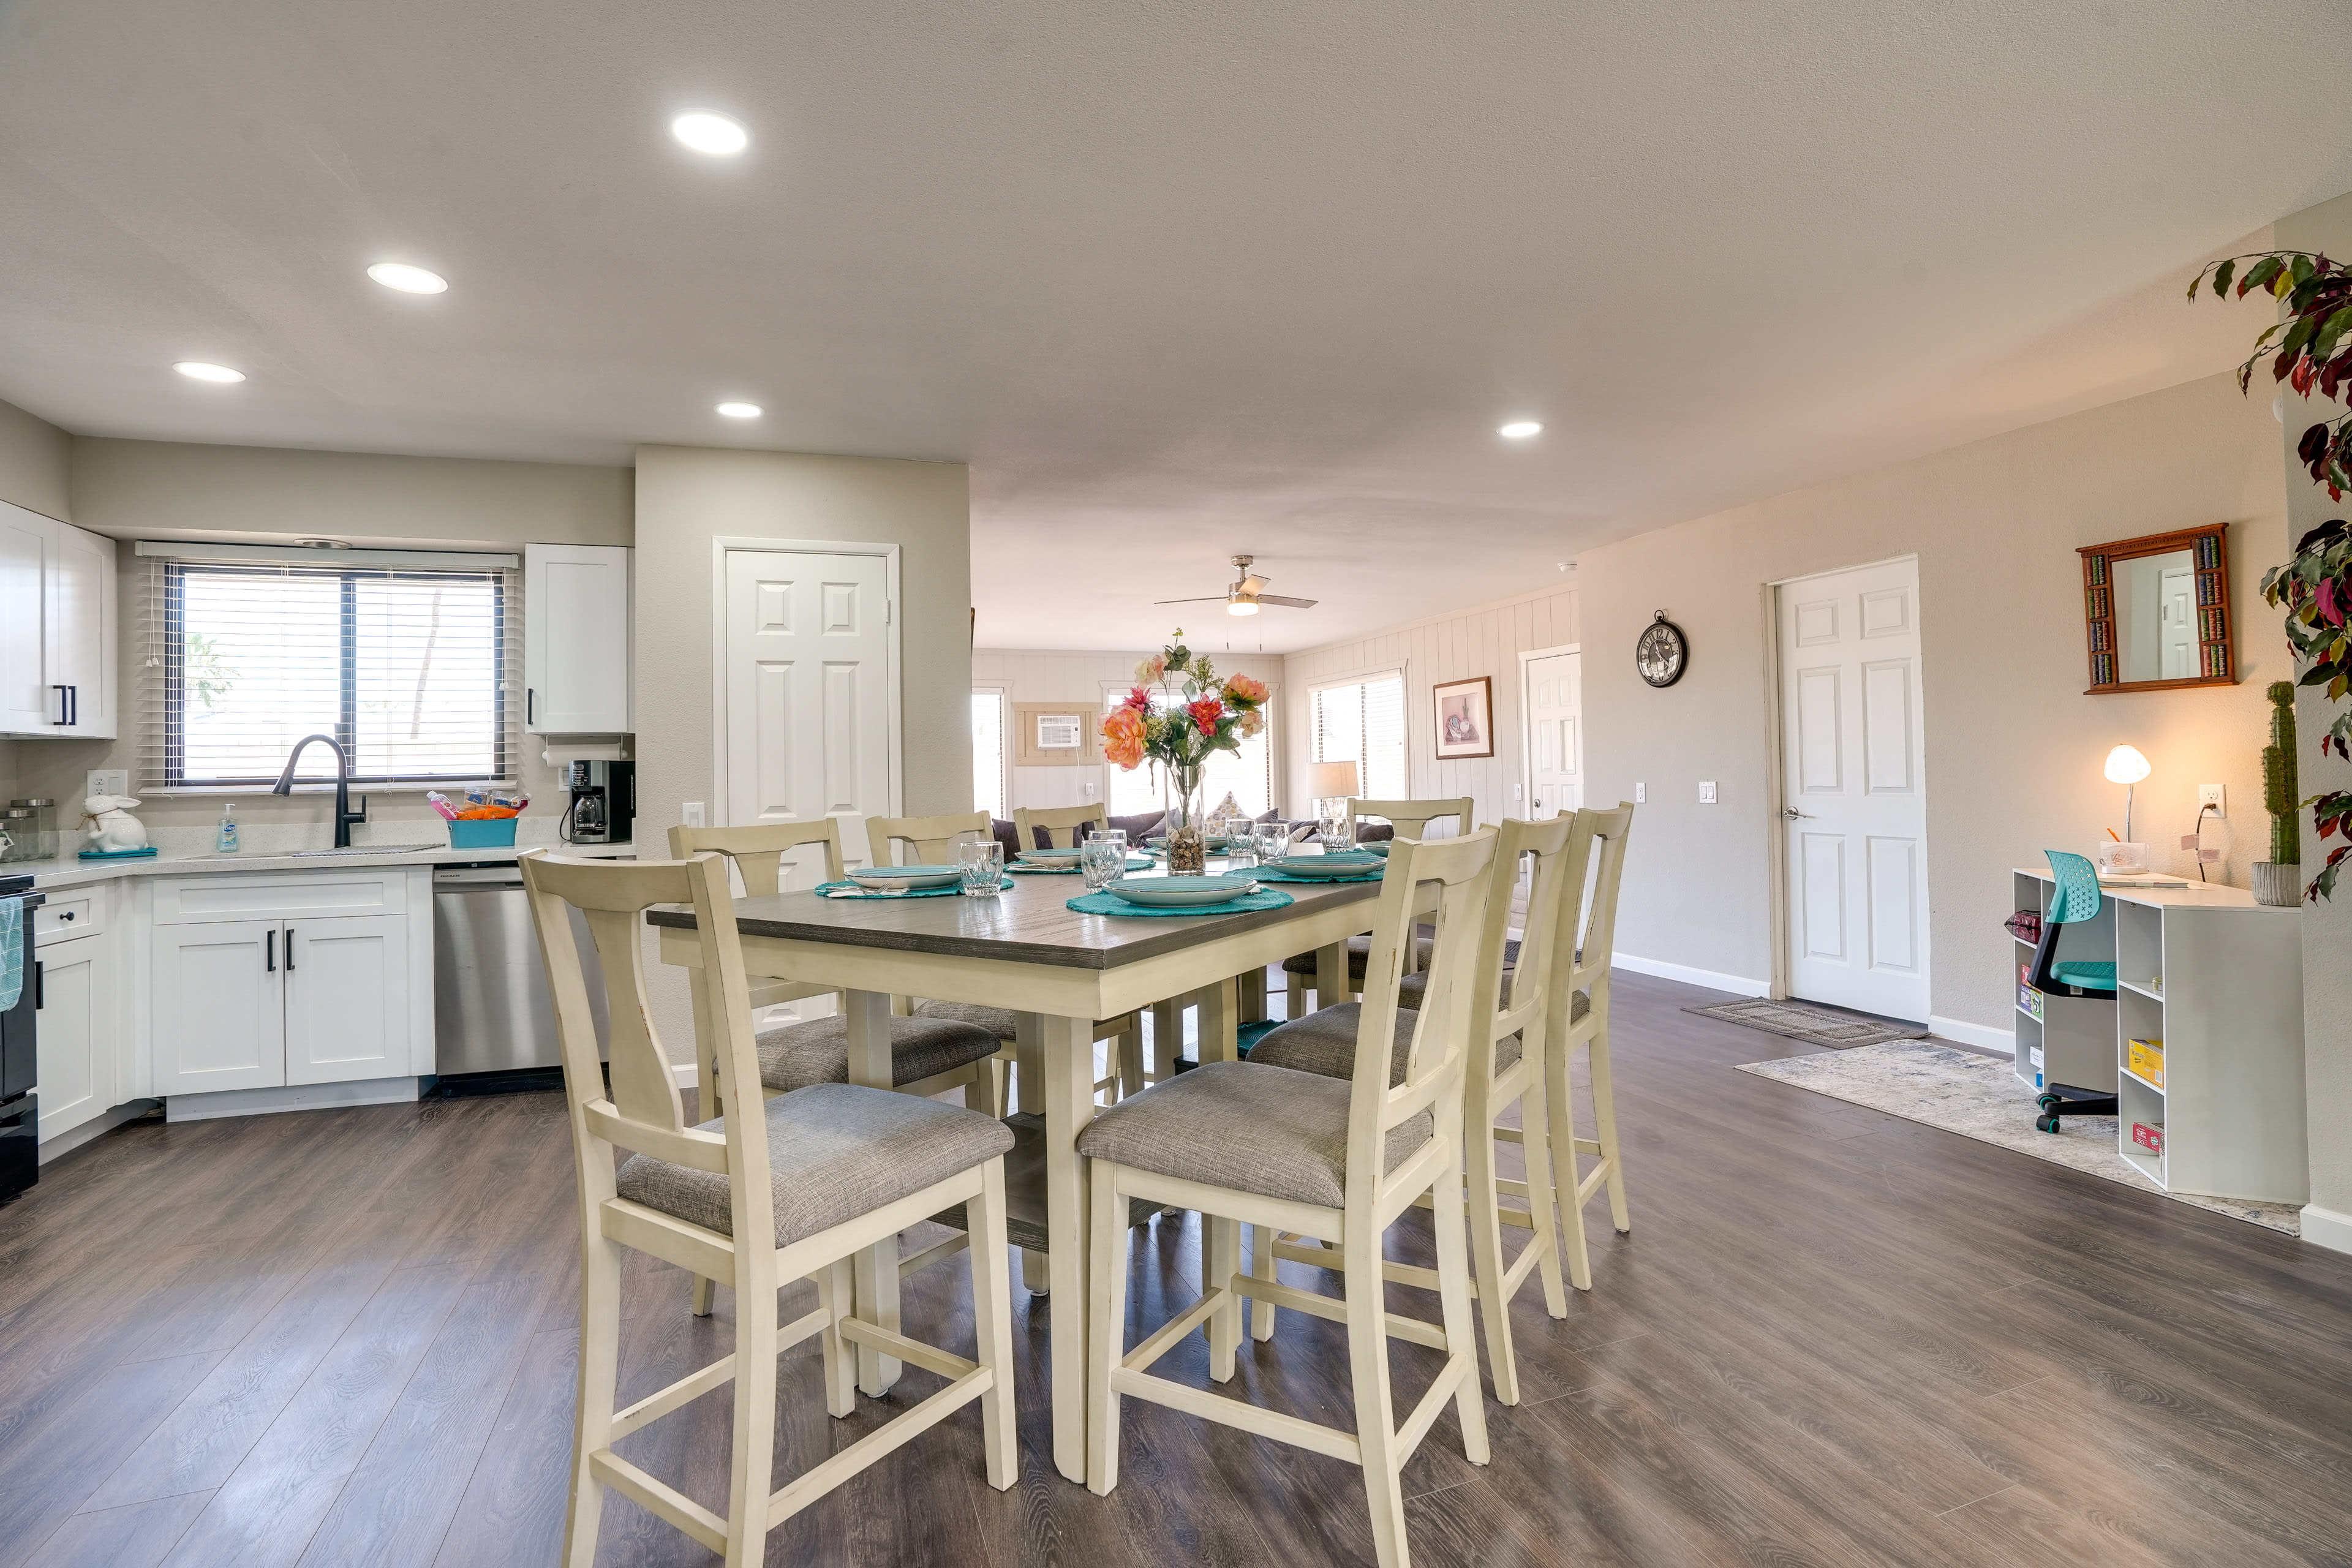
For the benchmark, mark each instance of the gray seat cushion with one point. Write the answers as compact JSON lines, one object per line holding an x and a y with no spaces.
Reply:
{"x":1359,"y":953}
{"x":997,"y":1021}
{"x":1413,"y":987}
{"x":1324,"y":1042}
{"x":836,"y":1150}
{"x":1244,"y":1128}
{"x":799,"y":1054}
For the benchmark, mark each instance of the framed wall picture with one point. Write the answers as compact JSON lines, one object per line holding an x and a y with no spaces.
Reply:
{"x":1465,"y":718}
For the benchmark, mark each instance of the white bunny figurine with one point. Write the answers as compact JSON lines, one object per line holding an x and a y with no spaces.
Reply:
{"x":112,"y":827}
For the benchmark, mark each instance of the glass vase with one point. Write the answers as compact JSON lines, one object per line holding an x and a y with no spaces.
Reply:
{"x":1188,"y":845}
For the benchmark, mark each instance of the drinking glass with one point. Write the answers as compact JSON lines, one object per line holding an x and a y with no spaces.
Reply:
{"x":1241,"y":852}
{"x":1335,"y":834}
{"x":1272,"y":842}
{"x":982,"y":862}
{"x":1101,"y":861}
{"x":1108,"y":836}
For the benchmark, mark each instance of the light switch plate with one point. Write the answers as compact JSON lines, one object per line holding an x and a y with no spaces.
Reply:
{"x":108,"y":781}
{"x":692,"y":814}
{"x":2214,"y":795}
{"x":1641,"y":795}
{"x":1706,"y":792}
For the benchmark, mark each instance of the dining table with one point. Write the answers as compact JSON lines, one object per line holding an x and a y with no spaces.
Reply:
{"x":1057,"y":971}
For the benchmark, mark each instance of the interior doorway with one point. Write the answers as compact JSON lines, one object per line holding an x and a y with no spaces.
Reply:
{"x":1551,"y":715}
{"x":1854,"y":790}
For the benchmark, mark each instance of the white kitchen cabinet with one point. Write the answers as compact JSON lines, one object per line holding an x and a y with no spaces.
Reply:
{"x":78,"y":1043}
{"x":219,"y":1001}
{"x":576,"y":639}
{"x":346,"y":984}
{"x":57,"y":658}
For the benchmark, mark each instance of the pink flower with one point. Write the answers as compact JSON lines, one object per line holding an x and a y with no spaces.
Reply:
{"x":1205,"y":713}
{"x":1244,"y":693}
{"x":1252,"y":723}
{"x":1139,"y":699}
{"x":1149,"y":672}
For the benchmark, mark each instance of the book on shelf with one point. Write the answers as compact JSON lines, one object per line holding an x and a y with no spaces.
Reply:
{"x":2148,"y":1061}
{"x":2148,"y":1137}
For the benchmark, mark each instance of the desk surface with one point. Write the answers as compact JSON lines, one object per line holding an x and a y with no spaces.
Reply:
{"x":2195,"y":896}
{"x":1027,"y":922}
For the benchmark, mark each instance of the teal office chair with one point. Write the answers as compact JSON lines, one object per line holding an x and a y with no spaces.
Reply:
{"x":2077,"y":900}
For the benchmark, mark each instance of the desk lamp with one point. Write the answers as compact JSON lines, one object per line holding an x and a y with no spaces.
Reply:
{"x":2127,"y":767}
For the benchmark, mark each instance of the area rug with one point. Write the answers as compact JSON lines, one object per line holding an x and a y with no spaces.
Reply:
{"x":1981,"y":1098}
{"x":1803,"y":1021}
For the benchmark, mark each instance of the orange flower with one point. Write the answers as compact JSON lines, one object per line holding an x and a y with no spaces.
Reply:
{"x":1205,"y":713}
{"x":1241,"y":691}
{"x":1122,"y":732}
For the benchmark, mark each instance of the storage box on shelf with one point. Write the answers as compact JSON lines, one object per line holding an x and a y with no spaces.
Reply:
{"x":2209,"y":984}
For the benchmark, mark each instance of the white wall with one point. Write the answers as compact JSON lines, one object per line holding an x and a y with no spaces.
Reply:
{"x":158,"y":489}
{"x":2326,"y":927}
{"x":1486,"y":641}
{"x":688,"y":496}
{"x":1034,"y":676}
{"x":2014,"y":746}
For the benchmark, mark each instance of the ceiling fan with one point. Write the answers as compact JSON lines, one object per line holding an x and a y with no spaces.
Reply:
{"x":1246,"y":594}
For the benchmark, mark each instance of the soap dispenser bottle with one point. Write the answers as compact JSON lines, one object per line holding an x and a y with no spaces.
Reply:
{"x":226,"y":844}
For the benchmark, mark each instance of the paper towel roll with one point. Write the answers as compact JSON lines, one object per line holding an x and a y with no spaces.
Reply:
{"x":565,"y":748}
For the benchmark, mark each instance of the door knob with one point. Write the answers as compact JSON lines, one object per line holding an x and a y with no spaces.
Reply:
{"x":1794,"y":814}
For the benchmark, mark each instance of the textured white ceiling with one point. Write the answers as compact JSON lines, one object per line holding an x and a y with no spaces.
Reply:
{"x":1177,"y":280}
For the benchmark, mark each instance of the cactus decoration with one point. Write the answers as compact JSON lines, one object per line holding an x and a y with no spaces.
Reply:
{"x":2281,"y":798}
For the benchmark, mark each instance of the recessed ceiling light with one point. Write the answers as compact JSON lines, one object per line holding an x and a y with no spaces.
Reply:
{"x":408,"y":279}
{"x":713,"y":133}
{"x":197,"y":369}
{"x":1520,"y":429}
{"x":740,"y":410}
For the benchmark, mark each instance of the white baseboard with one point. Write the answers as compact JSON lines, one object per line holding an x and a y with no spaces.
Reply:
{"x":1740,"y":986}
{"x":2327,"y":1228}
{"x":687,"y":1075}
{"x":97,"y":1126}
{"x":1977,"y":1034}
{"x":291,"y":1097}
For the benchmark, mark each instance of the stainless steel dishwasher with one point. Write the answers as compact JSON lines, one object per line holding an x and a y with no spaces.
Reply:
{"x":491,"y":1007}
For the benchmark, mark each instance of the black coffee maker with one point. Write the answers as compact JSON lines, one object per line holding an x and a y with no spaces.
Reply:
{"x":603,"y":804}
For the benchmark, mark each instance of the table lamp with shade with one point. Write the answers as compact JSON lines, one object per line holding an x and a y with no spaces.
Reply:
{"x":2127,"y":767}
{"x":1331,"y":782}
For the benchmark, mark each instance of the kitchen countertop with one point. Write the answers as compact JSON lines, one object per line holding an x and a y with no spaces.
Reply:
{"x":74,"y":872}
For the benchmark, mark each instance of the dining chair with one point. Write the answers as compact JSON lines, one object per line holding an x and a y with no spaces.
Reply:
{"x":793,"y":1193}
{"x":1056,"y":821}
{"x":925,"y":840}
{"x":1580,"y":970}
{"x":1336,"y":1159}
{"x":1507,"y":1056}
{"x":927,"y":1055}
{"x":1411,"y":818}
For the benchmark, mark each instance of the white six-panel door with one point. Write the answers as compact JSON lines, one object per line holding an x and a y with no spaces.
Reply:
{"x":1853,"y":751}
{"x":807,"y":687}
{"x":1555,"y":754}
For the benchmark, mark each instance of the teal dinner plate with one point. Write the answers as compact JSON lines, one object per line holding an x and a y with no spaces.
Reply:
{"x":1180,"y":892}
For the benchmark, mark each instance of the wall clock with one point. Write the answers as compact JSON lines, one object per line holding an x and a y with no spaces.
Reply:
{"x":1662,"y":652}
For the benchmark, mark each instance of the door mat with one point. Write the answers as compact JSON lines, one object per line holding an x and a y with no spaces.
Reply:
{"x":1806,"y":1021}
{"x":1982,"y":1098}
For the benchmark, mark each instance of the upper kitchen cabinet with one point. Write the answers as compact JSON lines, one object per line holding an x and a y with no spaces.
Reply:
{"x":576,"y":639}
{"x":58,"y":658}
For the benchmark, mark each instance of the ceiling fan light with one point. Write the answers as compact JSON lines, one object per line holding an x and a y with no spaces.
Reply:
{"x":1241,"y":607}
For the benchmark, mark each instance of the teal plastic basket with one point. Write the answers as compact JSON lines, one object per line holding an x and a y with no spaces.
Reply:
{"x":495,"y":833}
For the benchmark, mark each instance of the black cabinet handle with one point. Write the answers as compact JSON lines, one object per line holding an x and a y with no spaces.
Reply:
{"x":530,"y":706}
{"x":74,"y":693}
{"x":62,"y":717}
{"x":40,"y":997}
{"x":290,"y":950}
{"x":65,"y":915}
{"x":269,"y":953}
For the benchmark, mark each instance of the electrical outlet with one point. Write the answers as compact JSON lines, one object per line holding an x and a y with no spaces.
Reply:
{"x":108,"y":781}
{"x":692,"y":814}
{"x":1518,"y":792}
{"x":1641,"y":795}
{"x":2212,"y":795}
{"x":1088,"y":790}
{"x":1706,"y":792}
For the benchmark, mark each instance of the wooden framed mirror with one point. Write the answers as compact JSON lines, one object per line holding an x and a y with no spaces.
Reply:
{"x":2156,"y":612}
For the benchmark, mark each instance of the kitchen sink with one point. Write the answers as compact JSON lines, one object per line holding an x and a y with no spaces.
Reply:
{"x":366,"y":849}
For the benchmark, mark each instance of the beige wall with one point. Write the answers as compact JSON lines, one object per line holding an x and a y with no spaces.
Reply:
{"x":33,"y":463}
{"x":688,"y":496}
{"x":1050,"y":676}
{"x":150,"y":490}
{"x":147,"y":489}
{"x":2014,"y":748}
{"x":2326,"y":927}
{"x":1486,"y":641}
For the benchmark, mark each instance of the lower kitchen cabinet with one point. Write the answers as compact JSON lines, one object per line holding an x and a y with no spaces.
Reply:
{"x":346,"y":998}
{"x":79,"y":1047}
{"x":265,"y":1003}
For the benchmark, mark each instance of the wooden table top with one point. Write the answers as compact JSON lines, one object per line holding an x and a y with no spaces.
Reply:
{"x":1028,"y":922}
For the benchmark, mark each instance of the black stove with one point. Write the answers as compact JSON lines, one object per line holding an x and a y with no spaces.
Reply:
{"x":20,"y":1107}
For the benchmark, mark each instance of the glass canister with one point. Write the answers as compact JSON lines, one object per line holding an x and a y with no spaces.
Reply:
{"x":19,"y":840}
{"x":44,"y":828}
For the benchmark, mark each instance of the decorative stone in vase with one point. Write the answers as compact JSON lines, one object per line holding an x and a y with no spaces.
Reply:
{"x":1187,"y":851}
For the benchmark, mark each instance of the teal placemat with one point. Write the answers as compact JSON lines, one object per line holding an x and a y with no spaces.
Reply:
{"x":1112,"y":904}
{"x":1269,"y":874}
{"x":851,"y":890}
{"x":1134,"y":863}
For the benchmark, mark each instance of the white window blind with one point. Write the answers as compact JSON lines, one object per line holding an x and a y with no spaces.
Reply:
{"x":1362,"y":721}
{"x":1247,"y":774}
{"x":416,"y":671}
{"x":988,"y":754}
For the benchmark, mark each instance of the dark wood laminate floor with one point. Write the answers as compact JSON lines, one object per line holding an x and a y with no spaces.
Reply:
{"x":1834,"y":1337}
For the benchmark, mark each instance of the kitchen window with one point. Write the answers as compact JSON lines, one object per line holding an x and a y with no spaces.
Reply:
{"x":409,"y":669}
{"x":988,"y":752}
